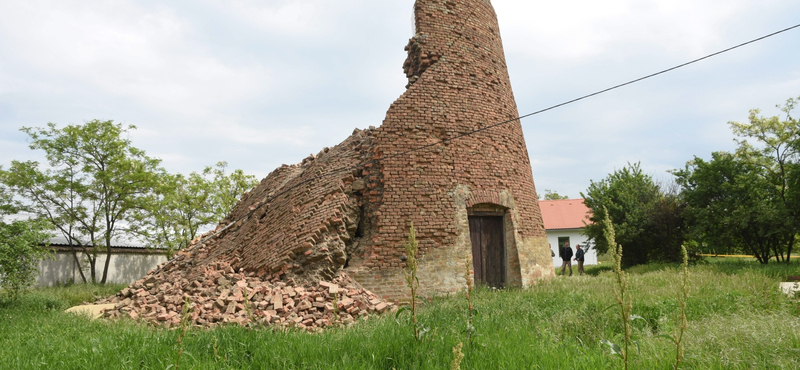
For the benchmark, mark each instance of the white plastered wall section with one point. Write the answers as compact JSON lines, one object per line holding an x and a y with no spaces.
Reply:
{"x":575,"y":237}
{"x":124,"y":268}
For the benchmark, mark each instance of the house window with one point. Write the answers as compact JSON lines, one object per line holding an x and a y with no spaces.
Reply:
{"x":562,"y":241}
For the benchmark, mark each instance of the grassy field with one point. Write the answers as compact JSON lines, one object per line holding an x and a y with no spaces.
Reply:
{"x":737,"y":320}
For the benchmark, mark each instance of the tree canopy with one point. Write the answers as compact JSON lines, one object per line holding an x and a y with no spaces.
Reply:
{"x":96,"y":187}
{"x":749,"y":200}
{"x":22,"y":245}
{"x":94,"y":177}
{"x":551,"y":195}
{"x":732,"y":206}
{"x":181,"y":205}
{"x":647,"y":221}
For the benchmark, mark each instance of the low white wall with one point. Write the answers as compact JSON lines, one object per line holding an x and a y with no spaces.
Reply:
{"x":575,"y":237}
{"x":124,"y":268}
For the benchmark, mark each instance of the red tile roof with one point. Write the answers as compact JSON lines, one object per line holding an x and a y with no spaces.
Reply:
{"x":564,"y":213}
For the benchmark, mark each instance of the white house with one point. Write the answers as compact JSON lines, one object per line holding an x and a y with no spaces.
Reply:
{"x":564,"y":220}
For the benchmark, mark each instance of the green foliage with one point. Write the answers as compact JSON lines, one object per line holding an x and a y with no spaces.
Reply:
{"x":647,"y":220}
{"x":732,"y":205}
{"x":96,"y":181}
{"x":7,"y":204}
{"x":777,"y":152}
{"x":76,"y":294}
{"x":227,"y":188}
{"x":22,"y":245}
{"x":748,"y":201}
{"x":181,"y":205}
{"x":551,"y":195}
{"x":470,"y":330}
{"x":175,"y":211}
{"x":93,"y":180}
{"x":185,"y":315}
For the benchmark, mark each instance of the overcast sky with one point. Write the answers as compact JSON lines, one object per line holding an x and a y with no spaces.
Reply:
{"x":259,"y":84}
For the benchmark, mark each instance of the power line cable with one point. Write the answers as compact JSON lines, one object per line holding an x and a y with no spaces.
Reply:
{"x":378,"y":160}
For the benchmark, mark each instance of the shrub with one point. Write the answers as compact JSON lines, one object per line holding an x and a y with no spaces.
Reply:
{"x":21,"y":248}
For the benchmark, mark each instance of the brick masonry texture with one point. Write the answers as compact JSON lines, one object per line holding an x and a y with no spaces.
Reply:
{"x":345,"y":212}
{"x":458,"y":82}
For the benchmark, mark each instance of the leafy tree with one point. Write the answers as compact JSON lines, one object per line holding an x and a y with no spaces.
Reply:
{"x":7,"y":204}
{"x":665,"y":231}
{"x":175,"y":211}
{"x":93,"y":180}
{"x":732,"y":203}
{"x":647,"y":221}
{"x":227,"y":189}
{"x":22,"y":245}
{"x":181,"y":205}
{"x":551,"y":195}
{"x":749,"y":200}
{"x":776,"y":150}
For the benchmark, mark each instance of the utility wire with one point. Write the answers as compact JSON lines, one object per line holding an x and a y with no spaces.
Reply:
{"x":375,"y":161}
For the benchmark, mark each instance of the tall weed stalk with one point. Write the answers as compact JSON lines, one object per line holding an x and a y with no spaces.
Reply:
{"x":683,"y":296}
{"x":248,"y":309}
{"x":457,"y":357}
{"x":470,"y":308}
{"x":184,"y":328}
{"x":410,"y":273}
{"x":335,"y":316}
{"x":624,"y":301}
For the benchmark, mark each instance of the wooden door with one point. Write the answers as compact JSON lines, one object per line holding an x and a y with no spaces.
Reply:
{"x":488,"y":250}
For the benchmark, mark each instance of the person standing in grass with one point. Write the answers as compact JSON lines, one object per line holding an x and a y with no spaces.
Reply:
{"x":566,"y":257}
{"x":579,"y":257}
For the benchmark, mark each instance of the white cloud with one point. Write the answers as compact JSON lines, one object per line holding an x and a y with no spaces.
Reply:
{"x":264,"y":83}
{"x":304,"y":18}
{"x":575,"y":30}
{"x":125,"y":51}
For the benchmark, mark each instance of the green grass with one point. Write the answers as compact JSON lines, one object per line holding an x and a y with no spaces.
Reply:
{"x":737,"y":320}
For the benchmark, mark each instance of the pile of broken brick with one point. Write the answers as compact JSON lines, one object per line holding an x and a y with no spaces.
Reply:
{"x":222,"y":296}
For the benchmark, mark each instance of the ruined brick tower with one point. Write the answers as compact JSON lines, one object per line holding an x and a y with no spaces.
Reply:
{"x":349,"y":208}
{"x":467,"y":193}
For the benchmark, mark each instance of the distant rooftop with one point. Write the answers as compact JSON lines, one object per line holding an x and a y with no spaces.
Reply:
{"x":564,"y":214}
{"x":61,"y":241}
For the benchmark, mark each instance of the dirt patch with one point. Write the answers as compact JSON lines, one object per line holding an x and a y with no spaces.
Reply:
{"x":94,"y":311}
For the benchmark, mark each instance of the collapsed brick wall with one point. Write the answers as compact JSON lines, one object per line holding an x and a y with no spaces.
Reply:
{"x":301,"y":221}
{"x":277,"y":258}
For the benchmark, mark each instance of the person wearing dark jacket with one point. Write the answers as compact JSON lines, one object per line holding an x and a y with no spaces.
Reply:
{"x":579,"y":257}
{"x":566,"y":256}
